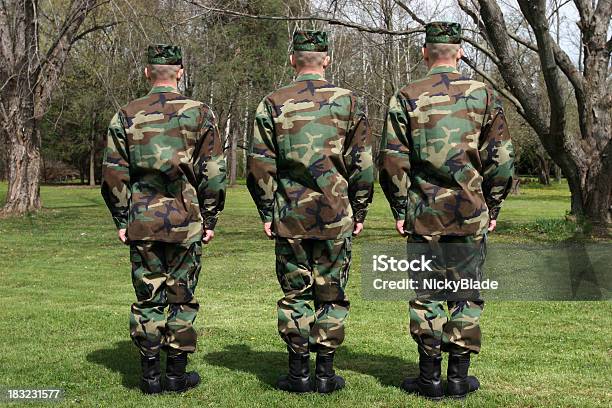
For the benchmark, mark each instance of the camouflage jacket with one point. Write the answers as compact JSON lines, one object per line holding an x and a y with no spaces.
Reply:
{"x":164,"y":169}
{"x":310,"y":169}
{"x":446,"y":160}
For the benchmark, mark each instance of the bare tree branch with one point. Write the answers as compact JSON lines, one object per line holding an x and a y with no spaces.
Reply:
{"x":585,"y":9}
{"x":410,"y":12}
{"x":523,"y":42}
{"x":95,"y":28}
{"x":509,"y":67}
{"x":535,"y":13}
{"x":498,"y":87}
{"x":50,"y":68}
{"x":561,"y":58}
{"x":330,"y":21}
{"x":482,"y":48}
{"x":556,"y":9}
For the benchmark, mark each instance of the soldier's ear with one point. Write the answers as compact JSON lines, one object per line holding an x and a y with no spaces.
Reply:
{"x":292,"y":60}
{"x":326,"y":61}
{"x":425,"y":53}
{"x":460,"y":54}
{"x":146,"y":73}
{"x":179,"y":74}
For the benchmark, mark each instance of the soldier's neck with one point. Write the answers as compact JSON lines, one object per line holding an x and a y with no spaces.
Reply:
{"x":171,"y":84}
{"x":452,"y":64}
{"x":310,"y":71}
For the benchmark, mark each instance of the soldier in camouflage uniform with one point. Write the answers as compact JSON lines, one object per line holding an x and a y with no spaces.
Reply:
{"x":164,"y":184}
{"x":310,"y":173}
{"x":446,"y":165}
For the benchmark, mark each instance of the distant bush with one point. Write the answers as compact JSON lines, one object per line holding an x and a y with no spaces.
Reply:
{"x":55,"y":171}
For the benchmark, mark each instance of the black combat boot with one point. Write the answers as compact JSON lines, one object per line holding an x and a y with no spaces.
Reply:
{"x":298,"y":378}
{"x":428,"y":383}
{"x":150,"y":383}
{"x":325,"y":377}
{"x":177,"y":380}
{"x":459,"y":383}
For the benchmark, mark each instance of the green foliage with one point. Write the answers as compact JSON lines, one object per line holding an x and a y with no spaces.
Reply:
{"x":543,"y":229}
{"x":555,"y":227}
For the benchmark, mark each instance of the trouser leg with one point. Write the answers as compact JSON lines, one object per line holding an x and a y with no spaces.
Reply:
{"x":294,"y":273}
{"x":427,"y":314}
{"x":461,"y":334}
{"x":331,"y":263}
{"x":147,"y":318}
{"x":465,"y":258}
{"x":427,"y":319}
{"x":183,"y":268}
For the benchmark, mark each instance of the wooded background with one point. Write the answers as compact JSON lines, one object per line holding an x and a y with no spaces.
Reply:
{"x":67,"y":65}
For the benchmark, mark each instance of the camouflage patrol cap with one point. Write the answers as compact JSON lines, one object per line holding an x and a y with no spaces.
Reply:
{"x":164,"y":54}
{"x":442,"y":32}
{"x":310,"y":40}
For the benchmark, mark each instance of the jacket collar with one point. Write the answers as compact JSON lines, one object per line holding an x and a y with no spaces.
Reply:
{"x":160,"y":89}
{"x":442,"y":69}
{"x":310,"y":77}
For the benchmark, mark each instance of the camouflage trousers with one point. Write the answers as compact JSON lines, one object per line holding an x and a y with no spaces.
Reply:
{"x":458,"y":331}
{"x":317,"y":271}
{"x":164,"y":275}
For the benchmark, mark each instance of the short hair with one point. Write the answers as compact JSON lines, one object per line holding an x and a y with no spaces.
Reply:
{"x":159,"y":72}
{"x":309,"y":58}
{"x":442,"y":51}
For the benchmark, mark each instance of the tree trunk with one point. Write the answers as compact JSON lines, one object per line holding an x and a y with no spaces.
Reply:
{"x":92,"y":167}
{"x":23,"y":151}
{"x":543,"y":169}
{"x":231,"y":158}
{"x":92,"y":152}
{"x":557,"y":172}
{"x":584,"y":158}
{"x":597,"y":190}
{"x":29,"y":78}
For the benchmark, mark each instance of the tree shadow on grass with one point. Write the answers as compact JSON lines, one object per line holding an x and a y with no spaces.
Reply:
{"x":122,"y":358}
{"x":268,"y":365}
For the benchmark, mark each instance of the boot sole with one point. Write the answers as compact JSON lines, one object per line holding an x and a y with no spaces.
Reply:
{"x":152,"y":392}
{"x":431,"y":398}
{"x":328,"y":392}
{"x":463,"y":396}
{"x":425,"y":396}
{"x":295,"y":391}
{"x":181,"y":390}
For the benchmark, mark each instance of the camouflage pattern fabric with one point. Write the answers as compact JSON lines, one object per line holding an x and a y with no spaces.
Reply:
{"x":442,"y":32}
{"x":164,"y":54}
{"x":310,"y":40}
{"x":310,"y":169}
{"x":446,"y":159}
{"x":430,"y":326}
{"x":312,"y":270}
{"x":164,"y":275}
{"x":164,"y":169}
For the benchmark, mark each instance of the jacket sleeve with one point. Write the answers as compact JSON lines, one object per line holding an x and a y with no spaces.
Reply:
{"x":261,"y":162}
{"x":358,"y":161}
{"x":116,"y":188}
{"x":393,"y":158}
{"x":496,"y":155}
{"x":210,"y":169}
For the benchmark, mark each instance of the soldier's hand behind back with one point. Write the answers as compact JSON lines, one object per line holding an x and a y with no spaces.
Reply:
{"x":122,"y":233}
{"x":268,"y":230}
{"x":208,"y":236}
{"x":492,"y":225}
{"x":358,"y":228}
{"x":399,"y":226}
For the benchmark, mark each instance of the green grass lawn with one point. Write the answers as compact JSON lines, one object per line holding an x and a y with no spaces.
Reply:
{"x":66,"y":291}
